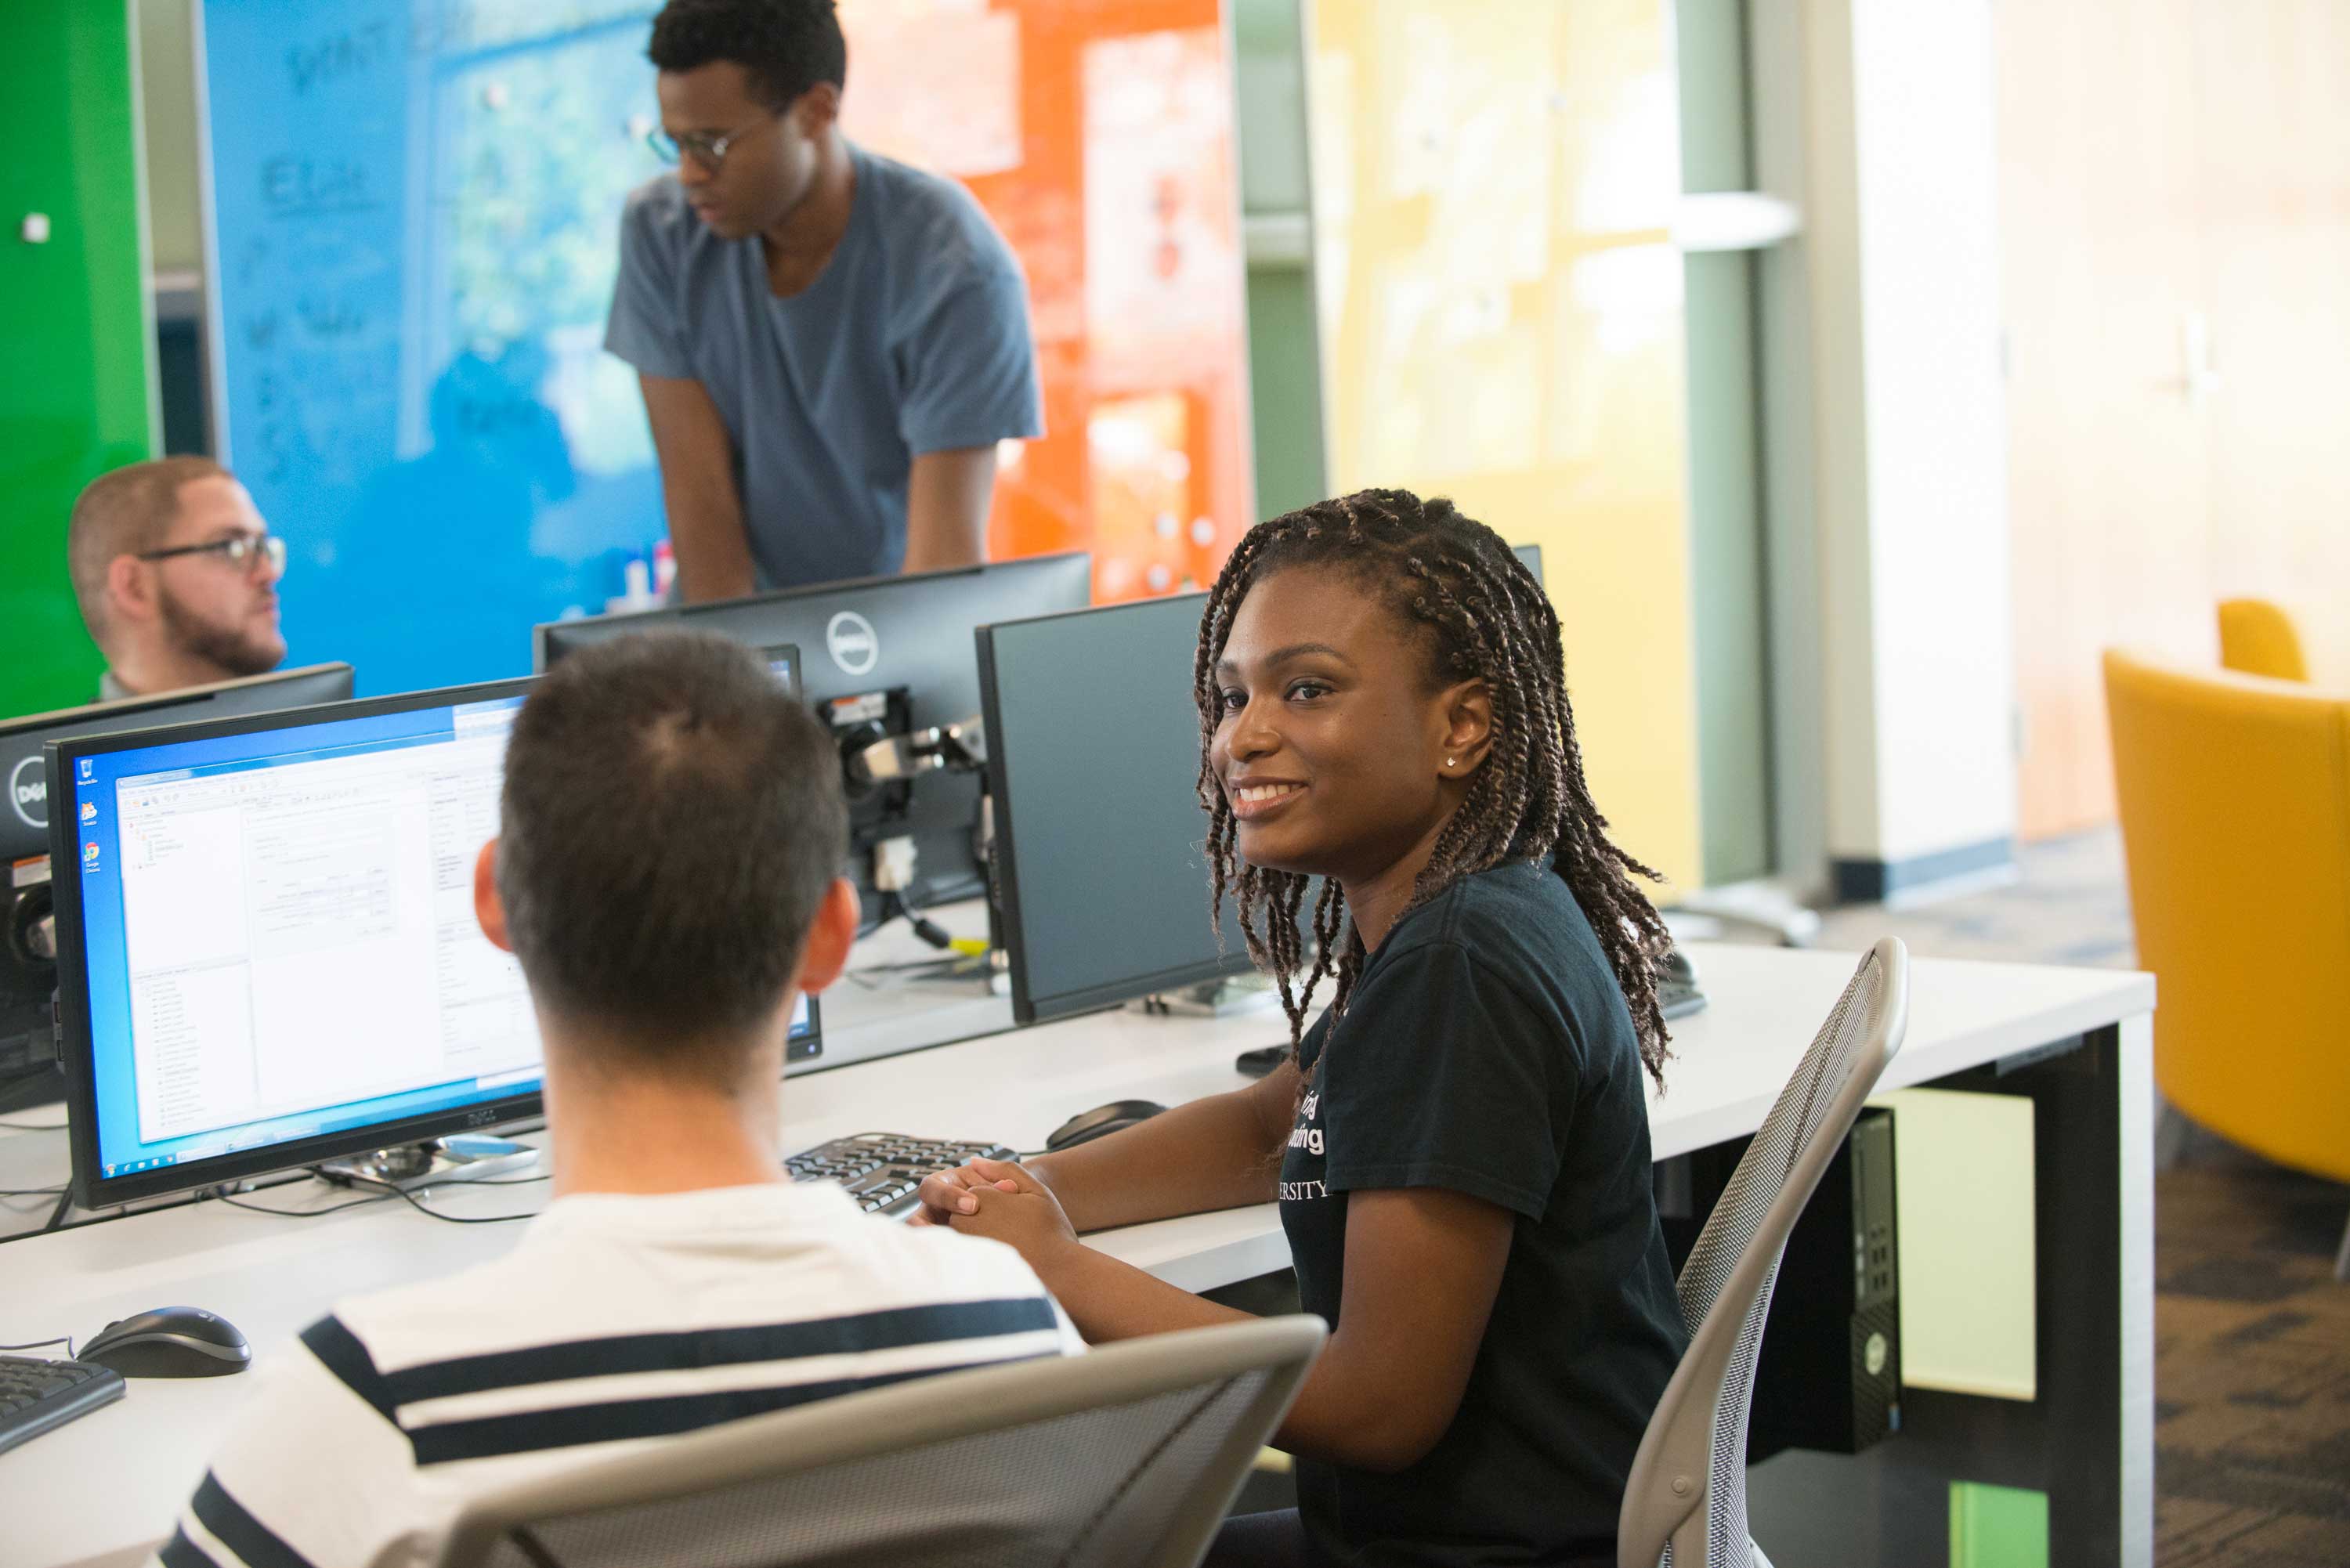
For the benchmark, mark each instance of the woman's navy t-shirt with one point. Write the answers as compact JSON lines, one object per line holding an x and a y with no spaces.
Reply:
{"x":1487,"y":1049}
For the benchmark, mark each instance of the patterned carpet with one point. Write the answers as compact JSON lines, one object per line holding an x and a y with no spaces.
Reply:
{"x":2251,"y":1334}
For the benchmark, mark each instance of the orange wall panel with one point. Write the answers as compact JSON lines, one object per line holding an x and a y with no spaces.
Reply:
{"x":1099,"y":135}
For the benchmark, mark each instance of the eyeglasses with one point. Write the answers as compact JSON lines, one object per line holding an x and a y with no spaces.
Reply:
{"x":245,"y":552}
{"x":709,"y":151}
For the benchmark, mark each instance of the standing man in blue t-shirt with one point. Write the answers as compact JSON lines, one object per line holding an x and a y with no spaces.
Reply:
{"x":831,"y":344}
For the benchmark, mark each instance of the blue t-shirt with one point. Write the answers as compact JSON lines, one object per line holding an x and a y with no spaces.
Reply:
{"x":914,"y":339}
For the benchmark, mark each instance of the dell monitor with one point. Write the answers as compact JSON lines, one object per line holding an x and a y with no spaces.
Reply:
{"x":28,"y":1071}
{"x":268,"y":956}
{"x":1093,"y":740}
{"x":885,"y":659}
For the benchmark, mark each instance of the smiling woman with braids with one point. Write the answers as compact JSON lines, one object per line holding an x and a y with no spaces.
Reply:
{"x":1460,"y":1143}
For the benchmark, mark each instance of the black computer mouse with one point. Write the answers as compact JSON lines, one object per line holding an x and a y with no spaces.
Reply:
{"x":1100,"y":1122}
{"x":169,"y":1342}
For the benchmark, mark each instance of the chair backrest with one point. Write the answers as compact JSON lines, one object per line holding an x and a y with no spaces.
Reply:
{"x":2235,"y":808}
{"x":2257,"y":637}
{"x":1126,"y":1455}
{"x":1686,"y":1502}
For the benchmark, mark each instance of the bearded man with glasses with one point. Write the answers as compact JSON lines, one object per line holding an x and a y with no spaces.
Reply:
{"x":830,"y":344}
{"x":177,"y":576}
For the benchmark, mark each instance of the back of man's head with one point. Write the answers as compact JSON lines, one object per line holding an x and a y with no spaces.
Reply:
{"x":673,"y":820}
{"x":124,"y":512}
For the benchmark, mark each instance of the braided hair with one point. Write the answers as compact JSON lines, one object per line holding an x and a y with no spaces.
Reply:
{"x":1484,"y":618}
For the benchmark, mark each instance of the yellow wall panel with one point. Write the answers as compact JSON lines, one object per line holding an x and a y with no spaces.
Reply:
{"x":1502,"y":323}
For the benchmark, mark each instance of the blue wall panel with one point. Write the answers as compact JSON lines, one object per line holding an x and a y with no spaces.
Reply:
{"x":414,"y":209}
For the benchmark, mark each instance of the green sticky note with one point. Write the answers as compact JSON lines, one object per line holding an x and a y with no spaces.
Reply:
{"x":1997,"y":1527}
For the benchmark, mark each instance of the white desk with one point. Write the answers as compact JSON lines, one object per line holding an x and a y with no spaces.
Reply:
{"x":104,"y":1487}
{"x":886,"y":1004}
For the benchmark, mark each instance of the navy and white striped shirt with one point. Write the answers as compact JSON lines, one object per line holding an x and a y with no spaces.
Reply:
{"x":616,"y":1320}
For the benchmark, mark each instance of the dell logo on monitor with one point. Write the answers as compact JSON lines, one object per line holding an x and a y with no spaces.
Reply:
{"x":28,"y":793}
{"x":853,"y":643}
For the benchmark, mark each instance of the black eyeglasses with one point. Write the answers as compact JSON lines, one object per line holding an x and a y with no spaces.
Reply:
{"x":245,"y":552}
{"x":709,"y":152}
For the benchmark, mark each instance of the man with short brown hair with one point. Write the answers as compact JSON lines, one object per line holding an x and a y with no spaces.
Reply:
{"x":177,"y":576}
{"x":667,"y":874}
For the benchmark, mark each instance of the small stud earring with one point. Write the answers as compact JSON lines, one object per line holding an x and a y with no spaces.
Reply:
{"x":1449,"y":760}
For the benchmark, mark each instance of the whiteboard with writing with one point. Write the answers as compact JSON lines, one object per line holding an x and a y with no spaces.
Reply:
{"x":413,"y":229}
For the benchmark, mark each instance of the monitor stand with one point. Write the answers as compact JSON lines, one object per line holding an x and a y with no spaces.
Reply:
{"x":1228,"y":998}
{"x":460,"y":1156}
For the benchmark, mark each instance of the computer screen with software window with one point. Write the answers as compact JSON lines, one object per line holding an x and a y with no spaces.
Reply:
{"x":28,"y":1069}
{"x":269,"y":952}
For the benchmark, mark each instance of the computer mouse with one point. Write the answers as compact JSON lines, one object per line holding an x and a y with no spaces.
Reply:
{"x":169,"y":1342}
{"x":1677,"y":991}
{"x":1100,"y":1122}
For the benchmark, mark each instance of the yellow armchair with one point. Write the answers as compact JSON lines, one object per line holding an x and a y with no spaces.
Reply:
{"x":2258,"y":638}
{"x":2235,"y":809}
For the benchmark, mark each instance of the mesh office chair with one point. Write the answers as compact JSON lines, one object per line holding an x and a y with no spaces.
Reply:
{"x":1685,"y":1504}
{"x":1127,"y":1455}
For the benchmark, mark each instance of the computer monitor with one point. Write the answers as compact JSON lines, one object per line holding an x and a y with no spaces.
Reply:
{"x":1531,"y":555}
{"x":268,"y":956}
{"x":28,"y":1071}
{"x":24,"y":825}
{"x":1093,"y":742}
{"x":884,"y":658}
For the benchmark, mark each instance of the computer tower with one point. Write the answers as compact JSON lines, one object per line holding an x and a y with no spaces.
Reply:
{"x":1829,"y":1376}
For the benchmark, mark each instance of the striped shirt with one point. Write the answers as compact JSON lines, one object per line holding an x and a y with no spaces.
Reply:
{"x":616,"y":1320}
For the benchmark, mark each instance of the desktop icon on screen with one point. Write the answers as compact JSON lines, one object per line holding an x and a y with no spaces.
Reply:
{"x":89,"y":811}
{"x":89,"y":853}
{"x":86,"y":766}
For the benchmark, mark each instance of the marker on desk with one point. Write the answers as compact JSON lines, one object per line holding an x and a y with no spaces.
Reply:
{"x":637,"y":593}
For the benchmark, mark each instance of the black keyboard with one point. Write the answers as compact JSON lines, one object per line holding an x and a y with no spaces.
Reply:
{"x":883,"y":1170}
{"x":36,"y":1395}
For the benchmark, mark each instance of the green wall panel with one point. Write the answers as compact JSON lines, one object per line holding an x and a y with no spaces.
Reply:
{"x":1727,"y":569}
{"x":1285,"y":391}
{"x":77,"y":399}
{"x":1727,"y":566}
{"x":1284,"y":351}
{"x":1711,"y":38}
{"x":166,"y":76}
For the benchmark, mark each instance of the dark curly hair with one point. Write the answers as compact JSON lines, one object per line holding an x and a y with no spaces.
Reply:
{"x":787,"y":45}
{"x":1484,"y":618}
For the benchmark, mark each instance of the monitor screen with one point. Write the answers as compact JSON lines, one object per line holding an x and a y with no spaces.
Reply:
{"x":783,"y":663}
{"x":24,"y":825}
{"x":268,"y":949}
{"x":882,"y":656}
{"x":1093,"y":742}
{"x":1531,"y":555}
{"x":28,"y":1072}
